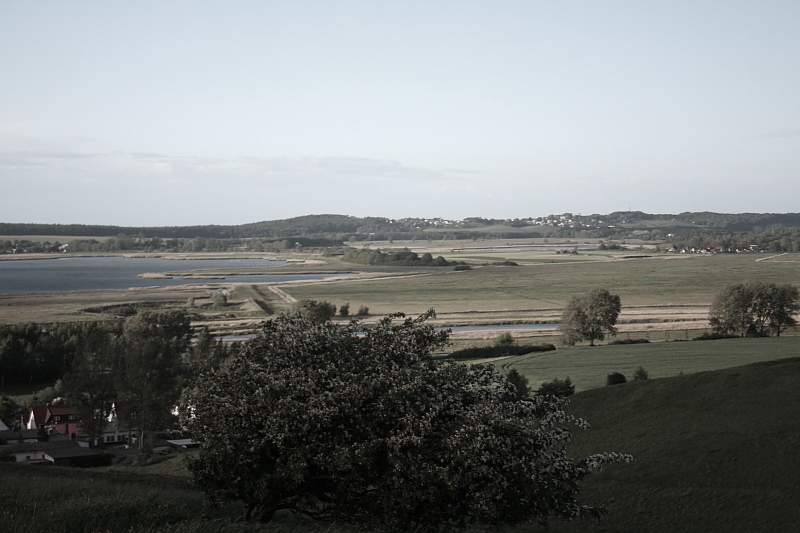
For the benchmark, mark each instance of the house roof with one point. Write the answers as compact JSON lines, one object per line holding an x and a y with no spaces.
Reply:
{"x":39,"y":446}
{"x":39,"y":413}
{"x":66,"y":453}
{"x":61,"y":410}
{"x":21,"y":434}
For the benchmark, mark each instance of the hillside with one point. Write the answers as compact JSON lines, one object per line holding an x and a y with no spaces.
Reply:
{"x":617,"y":224}
{"x":715,"y":451}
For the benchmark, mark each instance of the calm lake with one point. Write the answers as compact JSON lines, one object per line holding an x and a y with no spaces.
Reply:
{"x":97,"y":273}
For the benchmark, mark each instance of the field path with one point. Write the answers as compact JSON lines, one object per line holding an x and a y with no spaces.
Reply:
{"x":770,"y":257}
{"x":282,"y":294}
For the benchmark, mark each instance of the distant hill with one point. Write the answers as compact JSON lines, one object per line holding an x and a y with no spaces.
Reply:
{"x":715,"y":451}
{"x":617,"y":223}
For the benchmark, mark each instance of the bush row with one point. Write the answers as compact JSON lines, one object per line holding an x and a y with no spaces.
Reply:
{"x":485,"y":352}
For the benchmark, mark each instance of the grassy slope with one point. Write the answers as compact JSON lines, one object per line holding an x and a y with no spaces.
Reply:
{"x":588,"y":367}
{"x":35,"y":499}
{"x":715,"y":451}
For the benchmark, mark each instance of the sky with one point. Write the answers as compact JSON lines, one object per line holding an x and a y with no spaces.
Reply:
{"x":155,"y":113}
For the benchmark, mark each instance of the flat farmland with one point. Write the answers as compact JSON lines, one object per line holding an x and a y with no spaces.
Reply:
{"x":660,"y":293}
{"x":536,"y":290}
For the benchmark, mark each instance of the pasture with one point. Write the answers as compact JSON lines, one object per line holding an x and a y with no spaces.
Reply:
{"x":714,"y":452}
{"x":537,"y":286}
{"x":665,"y":291}
{"x":588,"y":366}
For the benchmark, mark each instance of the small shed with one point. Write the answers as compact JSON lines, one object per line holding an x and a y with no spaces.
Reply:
{"x":33,"y":452}
{"x":80,"y":457}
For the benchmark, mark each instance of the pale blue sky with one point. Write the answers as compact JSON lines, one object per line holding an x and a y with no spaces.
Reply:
{"x":175,"y":113}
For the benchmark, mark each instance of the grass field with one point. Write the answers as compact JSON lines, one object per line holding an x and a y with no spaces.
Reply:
{"x":666,"y":288}
{"x":714,"y":452}
{"x":661,"y":280}
{"x":35,"y":499}
{"x":588,"y":367}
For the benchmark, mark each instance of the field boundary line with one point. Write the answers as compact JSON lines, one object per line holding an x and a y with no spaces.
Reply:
{"x":282,"y":295}
{"x":770,"y":257}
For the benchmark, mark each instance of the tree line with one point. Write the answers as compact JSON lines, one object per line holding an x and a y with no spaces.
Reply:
{"x":754,"y":308}
{"x":140,"y":243}
{"x":139,"y":365}
{"x":401,"y":258}
{"x":772,"y":240}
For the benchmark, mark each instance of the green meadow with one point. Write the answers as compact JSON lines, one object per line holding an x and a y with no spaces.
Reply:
{"x":714,"y":452}
{"x":546,"y":280}
{"x":587,"y":366}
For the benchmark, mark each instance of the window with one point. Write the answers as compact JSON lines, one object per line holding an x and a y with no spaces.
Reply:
{"x":110,"y":438}
{"x":56,"y":418}
{"x":71,"y":417}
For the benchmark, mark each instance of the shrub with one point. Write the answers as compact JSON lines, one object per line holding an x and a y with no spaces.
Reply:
{"x":615,"y":378}
{"x":316,"y":311}
{"x":715,"y":336}
{"x":520,"y":384}
{"x":363,"y":311}
{"x":505,"y":339}
{"x":486,"y":352}
{"x":557,"y":387}
{"x":345,"y":309}
{"x":460,"y":268}
{"x":640,"y":374}
{"x":630,"y":341}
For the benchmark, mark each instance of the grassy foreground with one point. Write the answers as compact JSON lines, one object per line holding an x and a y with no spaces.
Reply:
{"x":35,"y":499}
{"x":715,"y":452}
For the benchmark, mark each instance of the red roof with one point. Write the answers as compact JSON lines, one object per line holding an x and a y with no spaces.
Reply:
{"x":39,"y":413}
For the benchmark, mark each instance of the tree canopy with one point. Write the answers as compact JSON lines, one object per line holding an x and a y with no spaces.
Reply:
{"x":754,"y":308}
{"x":590,"y":317}
{"x":360,"y":424}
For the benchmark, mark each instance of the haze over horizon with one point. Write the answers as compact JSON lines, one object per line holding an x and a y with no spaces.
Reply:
{"x":193,"y":113}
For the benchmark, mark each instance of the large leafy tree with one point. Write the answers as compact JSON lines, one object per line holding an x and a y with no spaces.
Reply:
{"x":89,"y":385}
{"x":361,"y":424}
{"x":786,"y":304}
{"x":590,"y":317}
{"x":149,"y":369}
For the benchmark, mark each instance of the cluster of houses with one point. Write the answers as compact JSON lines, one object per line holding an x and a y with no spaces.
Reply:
{"x":51,"y":435}
{"x":714,"y":249}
